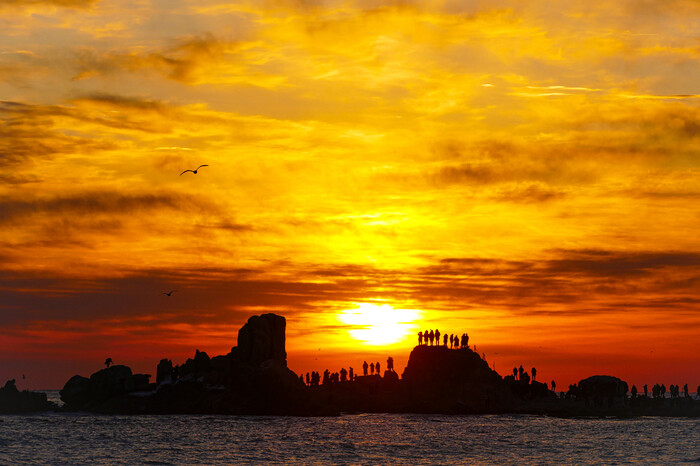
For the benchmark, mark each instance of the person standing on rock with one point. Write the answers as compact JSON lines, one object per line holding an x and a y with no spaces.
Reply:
{"x":364,"y":367}
{"x":351,"y":374}
{"x":534,"y":374}
{"x":437,"y":337}
{"x":376,"y":367}
{"x":420,"y":338}
{"x":390,"y":364}
{"x":371,"y":368}
{"x":108,"y":362}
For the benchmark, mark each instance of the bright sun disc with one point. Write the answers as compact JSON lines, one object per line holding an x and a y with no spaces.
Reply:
{"x":376,"y":324}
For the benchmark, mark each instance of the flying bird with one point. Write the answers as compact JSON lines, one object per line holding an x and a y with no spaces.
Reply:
{"x":169,"y":293}
{"x":193,"y":171}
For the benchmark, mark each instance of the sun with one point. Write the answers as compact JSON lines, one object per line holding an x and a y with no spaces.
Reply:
{"x":379,"y":324}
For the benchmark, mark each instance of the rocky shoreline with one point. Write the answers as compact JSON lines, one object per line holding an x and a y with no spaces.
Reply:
{"x":253,"y":379}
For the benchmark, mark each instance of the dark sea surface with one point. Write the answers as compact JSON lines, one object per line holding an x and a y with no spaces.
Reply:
{"x":80,"y":438}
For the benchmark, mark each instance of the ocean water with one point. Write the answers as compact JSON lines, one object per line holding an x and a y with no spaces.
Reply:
{"x":80,"y":438}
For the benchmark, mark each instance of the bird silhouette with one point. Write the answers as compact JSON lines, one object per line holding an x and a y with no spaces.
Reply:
{"x":169,"y":293}
{"x":193,"y":171}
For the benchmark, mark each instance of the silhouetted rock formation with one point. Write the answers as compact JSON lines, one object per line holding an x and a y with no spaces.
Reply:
{"x":262,"y":339}
{"x":114,"y":381}
{"x":12,"y":401}
{"x":602,"y":388}
{"x":252,"y":379}
{"x":439,"y":379}
{"x":164,"y":371}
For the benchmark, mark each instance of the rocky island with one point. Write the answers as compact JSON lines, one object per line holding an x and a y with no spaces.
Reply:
{"x":253,"y":378}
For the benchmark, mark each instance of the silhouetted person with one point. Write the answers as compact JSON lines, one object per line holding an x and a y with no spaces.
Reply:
{"x":376,"y":367}
{"x":437,"y":337}
{"x":685,"y":390}
{"x":515,"y":373}
{"x":108,"y":362}
{"x":444,"y":341}
{"x":466,"y":341}
{"x":534,"y":374}
{"x":371,"y":368}
{"x":343,"y":375}
{"x":520,"y":372}
{"x":420,"y":338}
{"x":554,"y":386}
{"x":301,"y":378}
{"x":431,"y":337}
{"x":364,"y":367}
{"x":390,"y":364}
{"x":634,"y":391}
{"x":351,"y":374}
{"x":526,"y":378}
{"x":452,"y":341}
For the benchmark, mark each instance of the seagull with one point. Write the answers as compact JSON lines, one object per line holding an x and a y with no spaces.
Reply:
{"x":169,"y":293}
{"x":193,"y":171}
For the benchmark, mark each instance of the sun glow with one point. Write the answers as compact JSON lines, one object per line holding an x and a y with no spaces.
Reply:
{"x":379,"y":325}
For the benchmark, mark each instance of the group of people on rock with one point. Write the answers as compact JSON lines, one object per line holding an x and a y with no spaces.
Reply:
{"x":432,"y":338}
{"x":313,"y":379}
{"x":520,"y":374}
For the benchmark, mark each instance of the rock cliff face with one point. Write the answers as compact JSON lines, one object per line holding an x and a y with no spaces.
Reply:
{"x":262,"y":339}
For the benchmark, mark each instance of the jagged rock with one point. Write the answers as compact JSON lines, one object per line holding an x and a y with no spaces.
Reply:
{"x":202,"y":363}
{"x":164,"y":370}
{"x":12,"y":401}
{"x":262,"y":338}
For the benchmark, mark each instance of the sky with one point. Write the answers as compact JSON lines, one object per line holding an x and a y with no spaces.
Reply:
{"x":524,"y":171}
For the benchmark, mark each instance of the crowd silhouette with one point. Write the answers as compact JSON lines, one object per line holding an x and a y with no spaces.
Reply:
{"x":373,"y":369}
{"x":432,"y":338}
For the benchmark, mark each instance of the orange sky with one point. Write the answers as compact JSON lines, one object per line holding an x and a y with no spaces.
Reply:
{"x":524,"y":172}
